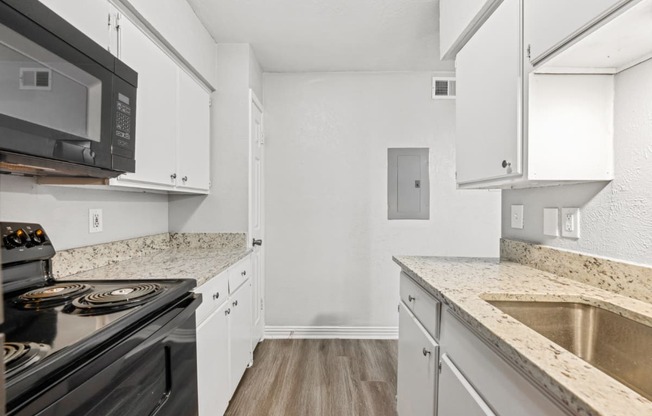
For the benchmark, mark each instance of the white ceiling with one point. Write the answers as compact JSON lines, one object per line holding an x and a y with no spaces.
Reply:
{"x":330,"y":35}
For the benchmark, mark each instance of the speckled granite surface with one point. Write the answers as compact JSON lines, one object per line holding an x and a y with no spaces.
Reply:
{"x":619,"y":277}
{"x":183,"y":263}
{"x":463,"y":283}
{"x":199,"y":256}
{"x":67,"y":262}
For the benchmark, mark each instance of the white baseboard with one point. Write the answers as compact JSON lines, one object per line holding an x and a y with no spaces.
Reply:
{"x":331,"y":332}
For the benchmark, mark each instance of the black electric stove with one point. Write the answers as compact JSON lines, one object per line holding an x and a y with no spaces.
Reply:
{"x":113,"y":347}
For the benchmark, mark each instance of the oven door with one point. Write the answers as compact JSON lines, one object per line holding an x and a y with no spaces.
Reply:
{"x":55,"y":101}
{"x":152,"y":372}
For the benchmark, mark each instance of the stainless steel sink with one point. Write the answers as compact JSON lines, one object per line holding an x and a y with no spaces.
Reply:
{"x":619,"y":346}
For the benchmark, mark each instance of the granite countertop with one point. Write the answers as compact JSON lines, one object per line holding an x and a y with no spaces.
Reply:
{"x":176,"y":263}
{"x":464,"y":284}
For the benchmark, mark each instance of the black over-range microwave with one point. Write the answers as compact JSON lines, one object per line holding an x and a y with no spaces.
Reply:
{"x":67,"y":106}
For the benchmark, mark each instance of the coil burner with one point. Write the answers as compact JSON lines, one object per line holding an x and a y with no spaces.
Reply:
{"x":19,"y":355}
{"x":96,"y":303}
{"x":50,"y":296}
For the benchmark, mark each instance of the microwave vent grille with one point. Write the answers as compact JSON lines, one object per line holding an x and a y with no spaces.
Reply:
{"x":35,"y":79}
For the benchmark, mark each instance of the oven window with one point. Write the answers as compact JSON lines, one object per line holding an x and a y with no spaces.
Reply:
{"x":39,"y":87}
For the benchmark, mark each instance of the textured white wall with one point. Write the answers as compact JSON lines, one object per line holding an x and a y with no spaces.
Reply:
{"x":616,"y":218}
{"x":63,"y":211}
{"x":226,"y":208}
{"x":329,"y":243}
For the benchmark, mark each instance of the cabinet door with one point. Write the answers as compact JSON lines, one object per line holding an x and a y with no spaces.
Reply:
{"x":91,"y":18}
{"x":156,"y":118}
{"x":193,"y":140}
{"x":549,"y":23}
{"x":418,"y":354}
{"x":489,"y":98}
{"x":457,"y":396}
{"x":213,"y":363}
{"x":240,"y":334}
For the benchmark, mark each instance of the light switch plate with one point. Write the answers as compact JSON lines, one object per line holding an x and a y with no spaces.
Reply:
{"x":551,"y":222}
{"x":570,"y":222}
{"x":517,"y":217}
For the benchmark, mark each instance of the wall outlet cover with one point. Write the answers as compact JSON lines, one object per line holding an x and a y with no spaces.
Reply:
{"x":570,"y":222}
{"x":95,"y":223}
{"x":517,"y":217}
{"x":551,"y":222}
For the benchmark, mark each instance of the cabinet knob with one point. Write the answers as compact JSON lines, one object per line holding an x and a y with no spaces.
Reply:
{"x":235,"y":303}
{"x":185,"y":179}
{"x":227,"y":312}
{"x":506,"y":164}
{"x":173,"y":176}
{"x":426,"y":352}
{"x":411,"y":298}
{"x":244,"y":273}
{"x":216,"y":295}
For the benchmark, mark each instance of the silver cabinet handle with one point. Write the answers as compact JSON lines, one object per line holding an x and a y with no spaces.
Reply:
{"x":173,"y":176}
{"x":411,"y":298}
{"x":216,"y":295}
{"x":227,"y":312}
{"x":185,"y":179}
{"x":244,"y":273}
{"x":235,"y":303}
{"x":426,"y":352}
{"x":506,"y":164}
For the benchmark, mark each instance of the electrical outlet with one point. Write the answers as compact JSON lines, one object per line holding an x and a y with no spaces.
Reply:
{"x":517,"y":217}
{"x":94,"y":220}
{"x":570,"y":222}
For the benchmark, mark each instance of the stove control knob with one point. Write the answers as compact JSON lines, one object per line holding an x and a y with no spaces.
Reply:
{"x":16,"y":239}
{"x":38,"y":237}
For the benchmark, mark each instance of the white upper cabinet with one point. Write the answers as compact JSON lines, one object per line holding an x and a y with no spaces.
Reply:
{"x":488,"y":104}
{"x":193,"y":137}
{"x":156,"y":108}
{"x":91,"y":18}
{"x":458,"y":21}
{"x":551,"y":23}
{"x":518,"y":127}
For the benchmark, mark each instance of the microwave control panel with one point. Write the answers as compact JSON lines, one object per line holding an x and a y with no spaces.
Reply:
{"x":124,"y":112}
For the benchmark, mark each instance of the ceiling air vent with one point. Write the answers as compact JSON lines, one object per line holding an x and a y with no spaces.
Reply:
{"x":443,"y":88}
{"x":35,"y":79}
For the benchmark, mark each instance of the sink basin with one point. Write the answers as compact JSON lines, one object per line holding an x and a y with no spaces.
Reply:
{"x":619,"y":346}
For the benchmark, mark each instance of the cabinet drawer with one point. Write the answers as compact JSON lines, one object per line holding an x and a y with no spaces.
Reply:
{"x":426,"y":308}
{"x":214,"y":293}
{"x":239,"y":273}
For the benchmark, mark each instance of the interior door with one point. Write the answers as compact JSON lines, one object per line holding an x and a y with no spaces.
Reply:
{"x":256,"y":217}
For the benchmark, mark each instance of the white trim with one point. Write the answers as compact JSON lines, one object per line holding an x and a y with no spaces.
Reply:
{"x":331,"y":332}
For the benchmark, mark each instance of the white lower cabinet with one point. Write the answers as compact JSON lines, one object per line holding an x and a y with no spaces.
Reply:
{"x":456,"y":372}
{"x":240,"y":333}
{"x":459,"y":397}
{"x":224,"y":337}
{"x":213,"y":357}
{"x":418,"y":355}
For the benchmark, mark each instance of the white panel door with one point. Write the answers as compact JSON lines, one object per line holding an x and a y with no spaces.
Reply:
{"x":551,"y":22}
{"x":418,"y":355}
{"x":456,"y":395}
{"x":213,"y":363}
{"x":240,"y":331}
{"x":489,"y":98}
{"x":156,"y":113}
{"x":193,"y":139}
{"x":256,"y":216}
{"x":90,"y":17}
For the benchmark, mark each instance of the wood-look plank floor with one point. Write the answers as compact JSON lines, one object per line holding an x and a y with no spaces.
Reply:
{"x":319,"y":378}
